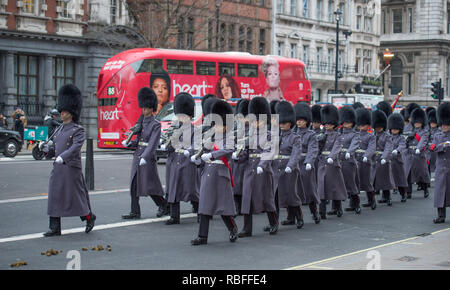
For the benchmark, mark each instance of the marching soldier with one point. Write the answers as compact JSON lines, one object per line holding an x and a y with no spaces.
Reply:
{"x":416,"y":166}
{"x":181,"y":183}
{"x":434,"y":128}
{"x":316,"y":119}
{"x":441,"y":145}
{"x":330,"y":182}
{"x":395,"y":126}
{"x":67,"y":193}
{"x":144,"y":173}
{"x":382,"y":159}
{"x":364,"y":153}
{"x":285,"y":166}
{"x":347,"y":118}
{"x":216,"y":193}
{"x":385,"y":107}
{"x":408,"y":113}
{"x":257,"y":194}
{"x":307,"y":181}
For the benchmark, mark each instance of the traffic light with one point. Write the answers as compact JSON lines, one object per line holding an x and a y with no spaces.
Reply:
{"x":438,"y":91}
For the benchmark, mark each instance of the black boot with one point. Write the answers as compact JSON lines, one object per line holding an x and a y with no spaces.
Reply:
{"x":299,"y":217}
{"x":373,"y":206}
{"x":402,"y":191}
{"x":369,"y":200}
{"x":338,"y":208}
{"x":334,"y":210}
{"x":163,"y":210}
{"x":131,"y":216}
{"x":290,"y":220}
{"x":55,"y":227}
{"x":441,"y":216}
{"x":356,"y":203}
{"x":199,"y":241}
{"x":351,"y":205}
{"x":387,"y":197}
{"x":90,"y":222}
{"x":323,"y":209}
{"x":247,"y":230}
{"x":273,"y":221}
{"x":173,"y":221}
{"x":314,"y":212}
{"x":234,"y":234}
{"x":425,"y":191}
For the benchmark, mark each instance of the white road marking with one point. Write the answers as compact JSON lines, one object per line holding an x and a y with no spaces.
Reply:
{"x":96,"y":228}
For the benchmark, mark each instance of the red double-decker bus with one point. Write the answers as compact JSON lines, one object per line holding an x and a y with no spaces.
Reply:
{"x":228,"y":75}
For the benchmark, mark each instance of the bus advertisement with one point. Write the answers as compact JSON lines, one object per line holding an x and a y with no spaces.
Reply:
{"x":229,"y":76}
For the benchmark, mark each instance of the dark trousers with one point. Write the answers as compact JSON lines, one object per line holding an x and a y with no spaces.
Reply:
{"x":175,"y":210}
{"x":402,"y":190}
{"x":337,"y":205}
{"x":386,"y":194}
{"x":135,"y":207}
{"x":238,"y":203}
{"x":204,"y":224}
{"x":313,"y":207}
{"x":323,"y":206}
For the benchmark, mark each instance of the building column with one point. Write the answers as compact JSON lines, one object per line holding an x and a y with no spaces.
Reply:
{"x":9,"y":97}
{"x":49,"y":96}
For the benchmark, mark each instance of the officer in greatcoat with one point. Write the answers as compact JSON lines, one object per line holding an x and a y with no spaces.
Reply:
{"x":316,"y":120}
{"x":395,"y":126}
{"x":382,"y":159}
{"x":307,"y":181}
{"x":432,"y":130}
{"x":330,"y":181}
{"x":181,"y":183}
{"x":216,"y":193}
{"x":441,"y":145}
{"x":408,"y":113}
{"x":416,"y":166}
{"x":347,"y":119}
{"x":364,"y":154}
{"x":286,"y":166}
{"x":257,"y":194}
{"x":144,"y":173}
{"x":67,"y":193}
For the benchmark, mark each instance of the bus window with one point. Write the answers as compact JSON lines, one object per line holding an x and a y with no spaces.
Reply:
{"x":180,"y":67}
{"x":247,"y":70}
{"x":226,"y":68}
{"x":107,"y":102}
{"x":206,"y":68}
{"x":147,"y":65}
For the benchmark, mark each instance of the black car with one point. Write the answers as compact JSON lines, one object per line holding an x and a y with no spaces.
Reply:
{"x":10,"y":142}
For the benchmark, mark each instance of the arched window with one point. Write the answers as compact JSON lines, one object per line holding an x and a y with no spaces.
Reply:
{"x":222,"y":35}
{"x":241,"y":38}
{"x":249,"y":40}
{"x":396,"y":76}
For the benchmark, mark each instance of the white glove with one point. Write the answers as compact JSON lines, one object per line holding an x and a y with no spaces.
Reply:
{"x":124,"y":143}
{"x":186,"y":153}
{"x":234,"y":156}
{"x":395,"y":152}
{"x":330,"y":161}
{"x":288,"y":170}
{"x":365,"y":159}
{"x":193,"y":160}
{"x":383,"y":161}
{"x":417,"y":151}
{"x":308,"y":167}
{"x":59,"y":160}
{"x":206,"y":157}
{"x":163,"y":147}
{"x":259,"y":170}
{"x":347,"y":155}
{"x":142,"y":162}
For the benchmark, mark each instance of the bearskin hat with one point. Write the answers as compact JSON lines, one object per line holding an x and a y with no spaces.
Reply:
{"x":347,"y":115}
{"x":70,"y":100}
{"x":357,"y":105}
{"x":259,"y":106}
{"x":273,"y":104}
{"x":409,"y":109}
{"x":432,"y":115}
{"x":303,"y":111}
{"x":147,"y":98}
{"x":222,"y":108}
{"x":443,"y":114}
{"x":403,"y":113}
{"x":242,"y":107}
{"x":286,"y":112}
{"x":330,"y":115}
{"x":206,"y":97}
{"x":419,"y":116}
{"x":363,"y":117}
{"x":428,"y":109}
{"x":396,"y":121}
{"x":315,"y":112}
{"x":379,"y":119}
{"x":184,"y":104}
{"x":385,"y":107}
{"x":161,"y":74}
{"x":207,"y":105}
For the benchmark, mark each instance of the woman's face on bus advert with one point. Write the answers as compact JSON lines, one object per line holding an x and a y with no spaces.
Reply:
{"x":273,"y":77}
{"x":161,"y":89}
{"x":225,"y":88}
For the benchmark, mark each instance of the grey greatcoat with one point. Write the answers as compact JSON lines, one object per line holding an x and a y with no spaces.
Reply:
{"x":442,"y":173}
{"x":383,"y":174}
{"x":146,"y":142}
{"x":181,"y":183}
{"x":238,"y":167}
{"x":330,"y":182}
{"x":216,"y":192}
{"x":431,"y":155}
{"x":349,"y":166}
{"x":366,"y":148}
{"x":397,"y":164}
{"x":67,"y":192}
{"x":257,"y":195}
{"x":416,"y":164}
{"x":287,"y":183}
{"x":307,"y":181}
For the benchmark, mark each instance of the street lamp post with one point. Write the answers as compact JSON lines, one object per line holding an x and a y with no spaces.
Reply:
{"x":218,"y":4}
{"x":338,"y":18}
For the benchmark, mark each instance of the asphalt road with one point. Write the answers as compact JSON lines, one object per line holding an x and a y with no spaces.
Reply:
{"x":400,"y":234}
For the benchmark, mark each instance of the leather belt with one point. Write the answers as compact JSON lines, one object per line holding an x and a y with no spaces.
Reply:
{"x":215,"y":162}
{"x":326,"y":152}
{"x":143,"y":143}
{"x":360,"y":151}
{"x":282,"y":157}
{"x":254,"y":156}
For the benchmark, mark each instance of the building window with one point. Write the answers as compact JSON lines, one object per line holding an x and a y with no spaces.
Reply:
{"x":222,"y":34}
{"x":330,"y":61}
{"x":280,"y":6}
{"x":262,"y":41}
{"x":305,"y":8}
{"x":383,"y":22}
{"x":342,"y":9}
{"x":64,"y":9}
{"x":180,"y":36}
{"x":293,"y":10}
{"x":293,"y":50}
{"x":397,"y":20}
{"x":396,"y":76}
{"x":26,"y":68}
{"x":319,"y":10}
{"x":249,"y":40}
{"x":448,"y":21}
{"x":210,"y":34}
{"x":358,"y":18}
{"x":368,"y":24}
{"x":409,"y":83}
{"x":330,"y":10}
{"x":64,"y":72}
{"x":448,"y":78}
{"x":241,"y":38}
{"x":317,"y":95}
{"x":280,"y":48}
{"x":113,"y":11}
{"x":190,"y":34}
{"x":358,"y":60}
{"x":319,"y":59}
{"x":305,"y":54}
{"x":231,"y":37}
{"x":29,"y":6}
{"x":410,"y":20}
